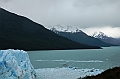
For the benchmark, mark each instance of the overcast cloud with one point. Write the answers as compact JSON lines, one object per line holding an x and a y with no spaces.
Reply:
{"x":79,"y":13}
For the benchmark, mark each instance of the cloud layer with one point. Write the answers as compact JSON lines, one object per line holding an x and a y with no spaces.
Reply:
{"x":78,"y":13}
{"x":108,"y":30}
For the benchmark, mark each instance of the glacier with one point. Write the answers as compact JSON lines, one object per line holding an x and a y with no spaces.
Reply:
{"x":15,"y":64}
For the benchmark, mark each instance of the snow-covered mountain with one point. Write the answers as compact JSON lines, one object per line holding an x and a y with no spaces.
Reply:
{"x":100,"y":35}
{"x":64,"y":28}
{"x":105,"y":38}
{"x":77,"y":35}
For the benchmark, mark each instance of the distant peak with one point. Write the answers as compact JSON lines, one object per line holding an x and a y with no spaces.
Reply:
{"x":100,"y":35}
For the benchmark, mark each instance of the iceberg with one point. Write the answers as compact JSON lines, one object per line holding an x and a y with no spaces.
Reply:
{"x":15,"y":64}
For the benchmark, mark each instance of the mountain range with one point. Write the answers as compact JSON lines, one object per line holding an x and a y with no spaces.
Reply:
{"x":103,"y":37}
{"x":78,"y":35}
{"x":19,"y":32}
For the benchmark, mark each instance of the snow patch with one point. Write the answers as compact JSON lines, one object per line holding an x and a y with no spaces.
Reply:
{"x":64,"y":28}
{"x":100,"y":35}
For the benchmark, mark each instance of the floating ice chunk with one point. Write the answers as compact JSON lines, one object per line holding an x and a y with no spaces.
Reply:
{"x":65,"y":73}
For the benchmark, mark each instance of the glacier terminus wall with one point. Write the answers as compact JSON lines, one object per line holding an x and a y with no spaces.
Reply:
{"x":15,"y":64}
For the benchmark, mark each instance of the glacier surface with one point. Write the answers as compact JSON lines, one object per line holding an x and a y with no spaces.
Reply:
{"x":15,"y":64}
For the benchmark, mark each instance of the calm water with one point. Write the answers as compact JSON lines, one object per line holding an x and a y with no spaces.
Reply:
{"x":91,"y":58}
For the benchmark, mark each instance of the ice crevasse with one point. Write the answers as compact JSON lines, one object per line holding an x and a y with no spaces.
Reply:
{"x":15,"y":64}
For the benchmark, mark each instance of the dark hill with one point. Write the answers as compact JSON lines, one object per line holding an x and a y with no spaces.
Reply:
{"x":83,"y":38}
{"x":108,"y":74}
{"x":18,"y":32}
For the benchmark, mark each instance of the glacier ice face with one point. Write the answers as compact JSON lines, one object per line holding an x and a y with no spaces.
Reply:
{"x":15,"y":64}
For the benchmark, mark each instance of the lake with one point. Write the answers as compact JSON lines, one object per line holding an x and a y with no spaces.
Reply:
{"x":87,"y":58}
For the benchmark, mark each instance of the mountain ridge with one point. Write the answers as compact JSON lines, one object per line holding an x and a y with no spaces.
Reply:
{"x":19,"y":32}
{"x":103,"y":37}
{"x":64,"y":28}
{"x":79,"y":36}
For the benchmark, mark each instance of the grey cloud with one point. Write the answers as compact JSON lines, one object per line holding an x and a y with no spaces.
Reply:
{"x":88,"y":3}
{"x":2,"y":2}
{"x":81,"y":13}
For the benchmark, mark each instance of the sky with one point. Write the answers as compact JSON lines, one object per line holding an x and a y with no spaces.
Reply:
{"x":88,"y":15}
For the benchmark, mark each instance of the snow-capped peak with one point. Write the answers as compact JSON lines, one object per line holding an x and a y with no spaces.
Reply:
{"x":100,"y":35}
{"x":64,"y":28}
